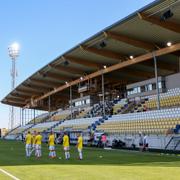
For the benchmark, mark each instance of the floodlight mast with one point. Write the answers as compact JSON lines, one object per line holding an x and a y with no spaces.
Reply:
{"x":13,"y":51}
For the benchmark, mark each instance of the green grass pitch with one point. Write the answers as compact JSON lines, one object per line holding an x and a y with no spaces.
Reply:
{"x":113,"y":165}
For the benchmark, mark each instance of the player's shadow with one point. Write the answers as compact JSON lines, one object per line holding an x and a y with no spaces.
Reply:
{"x":12,"y":153}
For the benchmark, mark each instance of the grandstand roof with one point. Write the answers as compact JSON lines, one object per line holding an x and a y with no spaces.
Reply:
{"x":138,"y":35}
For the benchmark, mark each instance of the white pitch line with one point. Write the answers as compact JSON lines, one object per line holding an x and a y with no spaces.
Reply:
{"x":8,"y":174}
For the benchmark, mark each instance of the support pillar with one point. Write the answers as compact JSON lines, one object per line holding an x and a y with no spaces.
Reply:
{"x":70,"y":95}
{"x":49,"y":107}
{"x":34,"y":113}
{"x":103,"y":101}
{"x":157,"y":85}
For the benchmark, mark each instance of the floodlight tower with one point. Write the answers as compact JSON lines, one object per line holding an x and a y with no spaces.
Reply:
{"x":13,"y":51}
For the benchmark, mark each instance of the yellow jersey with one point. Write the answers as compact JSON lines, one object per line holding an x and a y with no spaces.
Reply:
{"x":51,"y":140}
{"x":28,"y":138}
{"x":66,"y":141}
{"x":33,"y":139}
{"x":38,"y":139}
{"x":80,"y":142}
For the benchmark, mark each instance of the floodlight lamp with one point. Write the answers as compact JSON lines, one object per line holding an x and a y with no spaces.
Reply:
{"x":169,"y":44}
{"x":13,"y":50}
{"x":131,"y":57}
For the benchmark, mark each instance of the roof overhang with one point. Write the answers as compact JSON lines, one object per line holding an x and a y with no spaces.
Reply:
{"x":139,"y":34}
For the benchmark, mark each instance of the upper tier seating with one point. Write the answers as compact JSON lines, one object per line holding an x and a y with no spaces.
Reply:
{"x":139,"y":106}
{"x":40,"y":118}
{"x":77,"y":124}
{"x":151,"y":122}
{"x":97,"y":109}
{"x":60,"y":115}
{"x":117,"y":108}
{"x":20,"y":129}
{"x":42,"y":126}
{"x":168,"y":99}
{"x":83,"y":112}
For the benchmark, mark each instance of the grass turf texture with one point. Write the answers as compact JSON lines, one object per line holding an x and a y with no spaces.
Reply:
{"x":114,"y":164}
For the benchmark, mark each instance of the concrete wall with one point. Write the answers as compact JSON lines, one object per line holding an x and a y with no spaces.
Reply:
{"x":172,"y":81}
{"x":155,"y":141}
{"x":143,"y":83}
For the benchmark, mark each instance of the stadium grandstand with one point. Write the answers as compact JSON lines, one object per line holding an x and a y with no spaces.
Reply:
{"x":123,"y":81}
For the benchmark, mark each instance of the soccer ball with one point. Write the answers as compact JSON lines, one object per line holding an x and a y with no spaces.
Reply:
{"x":100,"y":156}
{"x":60,"y":158}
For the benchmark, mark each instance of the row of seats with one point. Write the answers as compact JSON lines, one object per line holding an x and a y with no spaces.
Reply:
{"x":168,"y":99}
{"x":65,"y":114}
{"x":76,"y":124}
{"x":169,"y":93}
{"x":20,"y":129}
{"x":158,"y":122}
{"x":42,"y":126}
{"x":117,"y":107}
{"x":165,"y":102}
{"x":83,"y":112}
{"x":40,"y":118}
{"x":60,"y":115}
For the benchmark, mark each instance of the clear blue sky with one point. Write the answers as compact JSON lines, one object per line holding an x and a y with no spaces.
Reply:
{"x":47,"y":28}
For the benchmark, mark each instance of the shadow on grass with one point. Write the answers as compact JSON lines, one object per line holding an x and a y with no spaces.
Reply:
{"x":12,"y":153}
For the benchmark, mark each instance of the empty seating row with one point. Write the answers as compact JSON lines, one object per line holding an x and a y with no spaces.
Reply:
{"x":168,"y":99}
{"x":77,"y":124}
{"x":20,"y":129}
{"x":83,"y":112}
{"x":158,"y":122}
{"x":60,"y":115}
{"x":40,"y":118}
{"x":117,"y":107}
{"x":42,"y":126}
